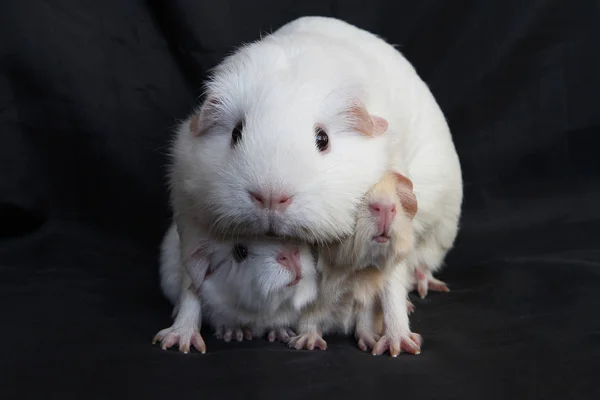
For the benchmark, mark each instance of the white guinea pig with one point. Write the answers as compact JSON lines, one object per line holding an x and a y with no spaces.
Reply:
{"x":252,"y":287}
{"x":297,"y":126}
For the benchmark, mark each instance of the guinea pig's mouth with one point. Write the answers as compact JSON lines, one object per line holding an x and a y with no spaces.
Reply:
{"x":382,"y":239}
{"x":297,"y":279}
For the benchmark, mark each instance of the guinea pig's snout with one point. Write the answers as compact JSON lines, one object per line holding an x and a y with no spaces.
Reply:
{"x":289,"y":258}
{"x":384,"y":214}
{"x":271,"y":200}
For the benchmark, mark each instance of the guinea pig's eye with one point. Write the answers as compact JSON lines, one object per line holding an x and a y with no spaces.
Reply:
{"x":236,"y":133}
{"x":240,"y":252}
{"x":321,"y":139}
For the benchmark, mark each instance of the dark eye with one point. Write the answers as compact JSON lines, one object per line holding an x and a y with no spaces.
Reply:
{"x":240,"y":252}
{"x":321,"y":139}
{"x":236,"y":133}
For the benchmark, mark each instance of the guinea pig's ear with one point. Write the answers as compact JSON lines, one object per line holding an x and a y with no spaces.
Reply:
{"x":404,"y":188}
{"x":197,"y":267}
{"x":205,"y":117}
{"x":365,"y":123}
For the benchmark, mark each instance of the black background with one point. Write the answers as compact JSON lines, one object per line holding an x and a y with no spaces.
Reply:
{"x":89,"y":94}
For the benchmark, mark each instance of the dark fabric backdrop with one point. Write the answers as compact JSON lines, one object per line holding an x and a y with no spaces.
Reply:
{"x":89,"y":94}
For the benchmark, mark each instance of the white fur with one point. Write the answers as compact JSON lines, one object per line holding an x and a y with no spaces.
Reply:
{"x":253,"y":293}
{"x":306,"y":73}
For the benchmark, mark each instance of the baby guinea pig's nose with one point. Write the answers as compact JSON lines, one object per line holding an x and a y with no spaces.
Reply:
{"x":271,"y":200}
{"x":289,"y":258}
{"x":384,"y":214}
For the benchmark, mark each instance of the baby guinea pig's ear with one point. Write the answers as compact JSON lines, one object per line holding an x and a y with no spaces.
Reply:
{"x":205,"y":117}
{"x":404,"y":188}
{"x":362,"y":121}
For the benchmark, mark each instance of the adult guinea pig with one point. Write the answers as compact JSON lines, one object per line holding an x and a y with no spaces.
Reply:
{"x":253,"y":287}
{"x":296,"y":127}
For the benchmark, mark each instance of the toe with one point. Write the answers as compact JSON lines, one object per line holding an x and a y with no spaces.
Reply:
{"x":321,"y":344}
{"x":362,"y":345}
{"x":284,"y":337}
{"x":227,"y":335}
{"x":271,"y":336}
{"x":239,"y":335}
{"x":184,"y":348}
{"x":247,"y":334}
{"x":382,"y":345}
{"x":198,"y":343}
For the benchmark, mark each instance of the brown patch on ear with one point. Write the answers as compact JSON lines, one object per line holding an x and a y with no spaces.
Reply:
{"x":365,"y":123}
{"x":404,"y":188}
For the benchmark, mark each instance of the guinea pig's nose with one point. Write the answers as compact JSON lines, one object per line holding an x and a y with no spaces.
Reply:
{"x":289,"y":258}
{"x":384,"y":214}
{"x":273,"y":201}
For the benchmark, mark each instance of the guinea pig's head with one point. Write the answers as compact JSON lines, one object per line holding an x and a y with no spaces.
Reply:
{"x":384,"y":223}
{"x":278,"y":152}
{"x":274,"y":268}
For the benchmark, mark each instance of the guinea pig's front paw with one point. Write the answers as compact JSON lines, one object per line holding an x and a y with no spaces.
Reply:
{"x":308,"y":341}
{"x":366,"y":340}
{"x":411,"y":343}
{"x":185,"y":336}
{"x":238,"y":333}
{"x":281,"y":335}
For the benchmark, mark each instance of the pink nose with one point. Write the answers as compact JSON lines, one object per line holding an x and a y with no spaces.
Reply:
{"x":273,"y":201}
{"x":384,"y":214}
{"x":289,"y":258}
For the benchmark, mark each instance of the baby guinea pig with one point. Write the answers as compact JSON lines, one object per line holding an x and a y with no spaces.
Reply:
{"x":356,"y":271}
{"x":258,"y":286}
{"x":251,"y":288}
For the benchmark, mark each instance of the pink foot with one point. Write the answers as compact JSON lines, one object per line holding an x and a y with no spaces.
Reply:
{"x":237,"y":333}
{"x":308,"y":341}
{"x":281,"y":335}
{"x":426,"y":281}
{"x":410,"y":343}
{"x":183,"y":336}
{"x":366,"y":341}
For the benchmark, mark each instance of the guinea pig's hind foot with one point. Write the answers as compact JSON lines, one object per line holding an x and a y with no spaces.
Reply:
{"x":281,"y":335}
{"x":185,"y":337}
{"x":237,"y":333}
{"x":366,"y":340}
{"x":410,"y":343}
{"x":309,"y":341}
{"x":426,"y":281}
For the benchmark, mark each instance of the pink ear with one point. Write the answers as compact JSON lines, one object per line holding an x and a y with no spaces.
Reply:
{"x":365,"y":123}
{"x":204,"y":119}
{"x":404,"y":187}
{"x":380,"y":125}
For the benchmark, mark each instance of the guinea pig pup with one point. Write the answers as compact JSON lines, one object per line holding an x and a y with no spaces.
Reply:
{"x":252,"y":288}
{"x":356,"y":276}
{"x":296,"y":127}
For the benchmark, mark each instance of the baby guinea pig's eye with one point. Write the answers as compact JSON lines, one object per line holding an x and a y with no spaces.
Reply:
{"x":236,"y":133}
{"x":321,"y":139}
{"x":240,"y":252}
